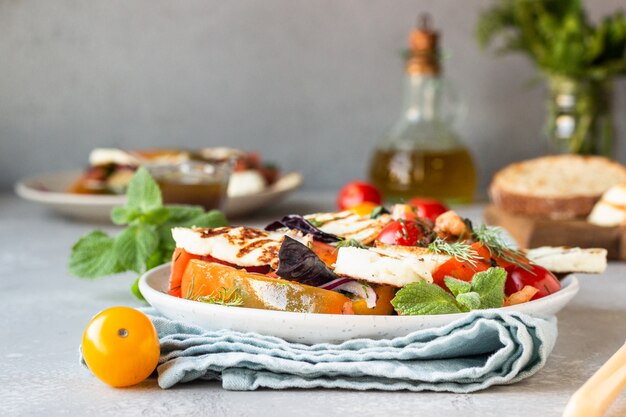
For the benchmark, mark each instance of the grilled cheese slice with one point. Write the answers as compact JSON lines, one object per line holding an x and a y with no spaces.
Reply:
{"x":349,"y":225}
{"x":562,"y":259}
{"x":241,"y":246}
{"x":396,"y":267}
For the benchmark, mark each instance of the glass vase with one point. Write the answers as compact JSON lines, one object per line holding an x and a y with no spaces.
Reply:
{"x":580,"y":118}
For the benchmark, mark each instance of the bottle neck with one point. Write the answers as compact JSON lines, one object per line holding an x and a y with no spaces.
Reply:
{"x":422,"y":97}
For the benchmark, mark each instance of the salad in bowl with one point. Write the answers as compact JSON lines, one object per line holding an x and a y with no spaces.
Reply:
{"x":366,"y":261}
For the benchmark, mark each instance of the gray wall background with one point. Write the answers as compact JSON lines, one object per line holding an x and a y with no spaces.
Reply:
{"x":311,"y":84}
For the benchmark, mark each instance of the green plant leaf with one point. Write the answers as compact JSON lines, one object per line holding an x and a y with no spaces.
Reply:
{"x":143,"y":192}
{"x":421,"y":298}
{"x":93,"y":256}
{"x":135,"y":245}
{"x":489,"y":285}
{"x":157,"y":216}
{"x":123,"y":215}
{"x":456,"y":286}
{"x":469,"y":300}
{"x":135,"y":290}
{"x":181,"y":213}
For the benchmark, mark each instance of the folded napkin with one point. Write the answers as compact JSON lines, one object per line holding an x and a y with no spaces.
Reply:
{"x":483,"y":349}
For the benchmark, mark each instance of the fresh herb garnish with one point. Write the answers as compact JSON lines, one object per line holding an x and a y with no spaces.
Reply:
{"x":351,"y":243}
{"x":378,"y":211}
{"x":460,"y":250}
{"x":491,"y":238}
{"x":146,"y":242}
{"x":315,"y":222}
{"x":485,"y":291}
{"x":222,"y":296}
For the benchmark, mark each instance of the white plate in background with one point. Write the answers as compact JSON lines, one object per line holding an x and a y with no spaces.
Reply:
{"x":50,"y":190}
{"x":316,"y":328}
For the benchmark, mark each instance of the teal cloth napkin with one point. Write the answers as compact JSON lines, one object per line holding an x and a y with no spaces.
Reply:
{"x":483,"y":349}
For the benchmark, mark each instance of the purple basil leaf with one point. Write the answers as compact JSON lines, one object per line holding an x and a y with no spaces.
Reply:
{"x":297,"y":222}
{"x":296,"y":262}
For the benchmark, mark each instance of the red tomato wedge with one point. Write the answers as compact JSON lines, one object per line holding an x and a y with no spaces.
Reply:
{"x":327,"y":253}
{"x":462,"y":270}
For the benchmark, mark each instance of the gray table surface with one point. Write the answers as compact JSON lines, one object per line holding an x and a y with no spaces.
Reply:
{"x":44,"y":311}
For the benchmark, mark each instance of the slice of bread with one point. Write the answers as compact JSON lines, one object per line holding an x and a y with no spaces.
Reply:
{"x":558,"y":187}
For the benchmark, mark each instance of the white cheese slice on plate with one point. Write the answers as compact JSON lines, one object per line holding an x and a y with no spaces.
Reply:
{"x":387,"y":266}
{"x":562,"y":259}
{"x":241,"y":246}
{"x":349,"y":225}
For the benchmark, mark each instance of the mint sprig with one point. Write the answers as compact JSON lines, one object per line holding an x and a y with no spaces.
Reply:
{"x":485,"y":291}
{"x":146,"y":242}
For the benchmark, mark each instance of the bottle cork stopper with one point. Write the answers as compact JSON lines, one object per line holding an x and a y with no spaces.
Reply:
{"x":423,"y":37}
{"x":423,"y":48}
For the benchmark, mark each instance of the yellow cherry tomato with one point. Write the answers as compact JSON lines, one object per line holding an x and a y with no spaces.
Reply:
{"x":121,"y":346}
{"x":364,"y":209}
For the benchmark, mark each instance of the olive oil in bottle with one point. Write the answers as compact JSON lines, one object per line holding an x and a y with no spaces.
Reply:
{"x":422,"y":155}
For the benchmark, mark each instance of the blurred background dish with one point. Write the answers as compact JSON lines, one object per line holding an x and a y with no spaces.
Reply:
{"x":51,"y":191}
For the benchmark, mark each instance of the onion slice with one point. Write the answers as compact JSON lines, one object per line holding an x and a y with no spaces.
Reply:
{"x":331,"y":285}
{"x":359,"y":289}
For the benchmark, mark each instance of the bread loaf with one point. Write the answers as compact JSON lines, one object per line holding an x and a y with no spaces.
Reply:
{"x":558,"y":187}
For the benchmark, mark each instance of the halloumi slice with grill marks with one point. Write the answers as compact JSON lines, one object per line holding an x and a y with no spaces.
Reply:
{"x":241,"y":246}
{"x":349,"y":225}
{"x":388,"y":266}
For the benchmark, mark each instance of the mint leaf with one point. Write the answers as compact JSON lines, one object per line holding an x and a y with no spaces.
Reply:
{"x":143,"y":192}
{"x":93,"y":256}
{"x":135,"y":290}
{"x":179,"y":213}
{"x":123,"y":215}
{"x":489,"y":285}
{"x":135,"y":245}
{"x":421,"y":298}
{"x":456,"y":286}
{"x":157,"y":216}
{"x":469,"y":300}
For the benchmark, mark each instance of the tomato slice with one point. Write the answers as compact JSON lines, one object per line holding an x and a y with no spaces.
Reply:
{"x":327,"y":253}
{"x":180,"y":259}
{"x":463,"y":270}
{"x":211,"y":279}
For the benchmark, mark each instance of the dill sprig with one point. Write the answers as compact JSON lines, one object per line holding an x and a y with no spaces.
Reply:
{"x":491,"y":238}
{"x":459,"y":250}
{"x":350,"y":243}
{"x":315,"y":222}
{"x":222,"y":296}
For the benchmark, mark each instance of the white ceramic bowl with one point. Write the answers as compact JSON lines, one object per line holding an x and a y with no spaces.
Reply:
{"x":50,"y":190}
{"x":315,"y":328}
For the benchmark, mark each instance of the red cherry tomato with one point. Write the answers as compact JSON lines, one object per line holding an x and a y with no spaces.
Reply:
{"x":401,"y":232}
{"x":537,"y":277}
{"x":358,"y":192}
{"x":462,"y":270}
{"x":428,"y":208}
